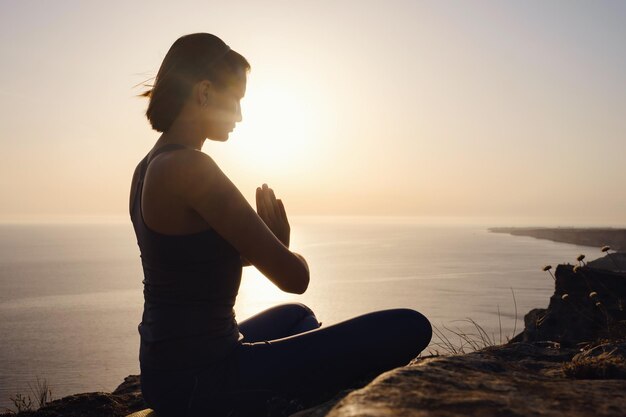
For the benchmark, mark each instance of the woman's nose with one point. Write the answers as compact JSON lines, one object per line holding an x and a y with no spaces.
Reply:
{"x":238,"y":112}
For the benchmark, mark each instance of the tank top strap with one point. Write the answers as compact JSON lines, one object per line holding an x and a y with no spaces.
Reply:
{"x":144,"y":167}
{"x":165,"y":148}
{"x":158,"y":151}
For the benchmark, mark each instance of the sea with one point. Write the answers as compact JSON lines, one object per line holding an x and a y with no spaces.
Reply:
{"x":71,"y":294}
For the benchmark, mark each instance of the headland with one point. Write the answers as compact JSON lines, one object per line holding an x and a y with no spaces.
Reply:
{"x":595,"y":237}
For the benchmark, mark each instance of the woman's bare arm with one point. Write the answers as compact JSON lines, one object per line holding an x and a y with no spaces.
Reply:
{"x":207,"y":190}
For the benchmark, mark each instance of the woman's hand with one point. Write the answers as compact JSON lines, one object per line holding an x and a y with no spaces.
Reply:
{"x":272,"y":212}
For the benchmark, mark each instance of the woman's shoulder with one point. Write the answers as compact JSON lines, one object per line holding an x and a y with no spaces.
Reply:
{"x":179,"y":158}
{"x":183,"y":167}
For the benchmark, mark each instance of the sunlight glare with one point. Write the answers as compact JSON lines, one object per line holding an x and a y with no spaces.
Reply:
{"x":258,"y":293}
{"x":278,"y":132}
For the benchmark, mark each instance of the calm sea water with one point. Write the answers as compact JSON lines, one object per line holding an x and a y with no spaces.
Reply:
{"x":71,"y":295}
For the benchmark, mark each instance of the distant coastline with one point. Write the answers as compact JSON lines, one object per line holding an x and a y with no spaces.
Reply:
{"x":594,"y":237}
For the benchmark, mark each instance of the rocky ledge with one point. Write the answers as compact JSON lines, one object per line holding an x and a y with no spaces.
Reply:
{"x":570,"y":359}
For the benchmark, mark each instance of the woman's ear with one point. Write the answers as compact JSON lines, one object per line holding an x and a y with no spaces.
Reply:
{"x":204,"y":93}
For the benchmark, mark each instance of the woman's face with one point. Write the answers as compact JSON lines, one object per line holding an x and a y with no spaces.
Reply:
{"x":224,"y":110}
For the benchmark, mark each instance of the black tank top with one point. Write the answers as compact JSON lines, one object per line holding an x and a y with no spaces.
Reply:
{"x":190,"y":286}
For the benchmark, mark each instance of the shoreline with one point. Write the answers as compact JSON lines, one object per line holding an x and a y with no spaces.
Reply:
{"x":592,"y":236}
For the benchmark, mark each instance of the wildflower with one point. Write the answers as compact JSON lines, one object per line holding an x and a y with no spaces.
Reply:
{"x":598,"y":304}
{"x":548,"y":268}
{"x":606,"y":250}
{"x":576,"y":268}
{"x":580,"y":259}
{"x":593,"y":294}
{"x":564,"y":296}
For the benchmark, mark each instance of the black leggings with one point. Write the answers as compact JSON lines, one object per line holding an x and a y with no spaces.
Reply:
{"x":286,"y":352}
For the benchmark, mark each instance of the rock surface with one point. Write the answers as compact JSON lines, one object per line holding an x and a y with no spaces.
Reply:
{"x":124,"y":400}
{"x":518,"y":379}
{"x":569,"y":360}
{"x":588,"y":304}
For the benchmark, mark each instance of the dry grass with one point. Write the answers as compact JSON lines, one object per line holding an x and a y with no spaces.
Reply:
{"x":606,"y":365}
{"x":41,"y":392}
{"x":457,"y":342}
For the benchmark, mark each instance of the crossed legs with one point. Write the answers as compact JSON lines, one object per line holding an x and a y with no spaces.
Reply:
{"x":332,"y":355}
{"x":285,"y":351}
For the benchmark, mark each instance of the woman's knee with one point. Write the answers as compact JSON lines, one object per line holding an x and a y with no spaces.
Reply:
{"x":418,"y":320}
{"x":298,"y":309}
{"x":422,"y":326}
{"x":303,"y":316}
{"x":415,"y":327}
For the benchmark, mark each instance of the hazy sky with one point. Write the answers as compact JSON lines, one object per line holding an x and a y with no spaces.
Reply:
{"x":496,"y":109}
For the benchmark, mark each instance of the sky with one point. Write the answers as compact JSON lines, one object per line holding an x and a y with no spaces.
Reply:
{"x":507,"y":111}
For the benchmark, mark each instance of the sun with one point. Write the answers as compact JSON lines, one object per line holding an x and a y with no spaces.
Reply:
{"x":278,"y":131}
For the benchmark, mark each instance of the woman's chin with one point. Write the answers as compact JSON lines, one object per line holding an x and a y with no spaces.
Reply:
{"x":223,"y":137}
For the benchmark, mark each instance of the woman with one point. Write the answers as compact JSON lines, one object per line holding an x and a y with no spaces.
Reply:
{"x":195,"y":231}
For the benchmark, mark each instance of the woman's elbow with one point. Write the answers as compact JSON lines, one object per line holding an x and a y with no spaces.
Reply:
{"x":300,"y":285}
{"x":303,"y":276}
{"x":303,"y":285}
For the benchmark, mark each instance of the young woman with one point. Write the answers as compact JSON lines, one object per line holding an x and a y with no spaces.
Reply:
{"x":195,"y":231}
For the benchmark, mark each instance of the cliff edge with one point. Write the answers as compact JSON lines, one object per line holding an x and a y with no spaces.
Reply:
{"x":570,"y":359}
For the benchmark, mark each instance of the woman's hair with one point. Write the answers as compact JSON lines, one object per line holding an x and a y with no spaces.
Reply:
{"x":192,"y":58}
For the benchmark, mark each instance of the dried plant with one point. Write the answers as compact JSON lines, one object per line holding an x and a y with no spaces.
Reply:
{"x":548,"y":268}
{"x":588,"y":365}
{"x":469,"y":341}
{"x":42,"y":393}
{"x":21,"y":403}
{"x":606,"y":249}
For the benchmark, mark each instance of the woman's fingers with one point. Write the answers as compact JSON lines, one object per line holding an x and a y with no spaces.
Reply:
{"x":269,"y":199}
{"x":259,"y":200}
{"x":265,"y":206}
{"x":272,"y":212}
{"x":283,"y":213}
{"x":270,"y":209}
{"x":275,"y":206}
{"x":260,"y":204}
